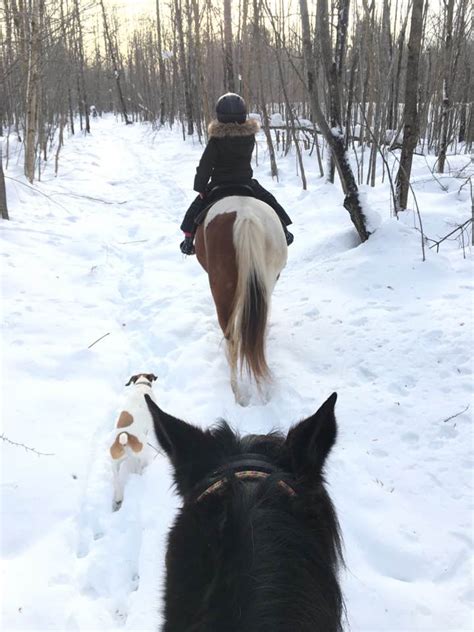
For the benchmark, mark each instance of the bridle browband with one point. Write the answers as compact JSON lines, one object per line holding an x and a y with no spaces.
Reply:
{"x":246,"y":467}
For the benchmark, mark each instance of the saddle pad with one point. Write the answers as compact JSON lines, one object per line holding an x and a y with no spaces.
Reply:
{"x":219,"y":193}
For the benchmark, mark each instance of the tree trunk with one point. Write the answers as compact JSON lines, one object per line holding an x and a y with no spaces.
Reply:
{"x":113,"y":57}
{"x":411,"y":123}
{"x":161,"y":66}
{"x":289,"y":111}
{"x":229,"y":57}
{"x":335,"y":141}
{"x":32,"y":92}
{"x":200,"y":78}
{"x":184,"y":67}
{"x":244,"y":68}
{"x":446,"y":107}
{"x":3,"y":190}
{"x":263,"y":105}
{"x":334,"y":67}
{"x":80,"y":52}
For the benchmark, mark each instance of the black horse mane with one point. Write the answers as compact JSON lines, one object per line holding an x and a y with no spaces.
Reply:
{"x":251,"y":557}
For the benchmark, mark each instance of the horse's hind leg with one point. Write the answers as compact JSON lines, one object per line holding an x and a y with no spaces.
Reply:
{"x":239,"y":388}
{"x":232,"y":359}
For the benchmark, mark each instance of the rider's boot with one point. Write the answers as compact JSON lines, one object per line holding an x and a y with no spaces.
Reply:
{"x":187,"y":246}
{"x":289,"y":236}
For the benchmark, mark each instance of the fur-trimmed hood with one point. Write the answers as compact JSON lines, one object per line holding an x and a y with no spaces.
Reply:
{"x":223,"y":130}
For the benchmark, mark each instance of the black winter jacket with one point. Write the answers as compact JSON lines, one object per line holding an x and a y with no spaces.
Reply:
{"x":228,"y":154}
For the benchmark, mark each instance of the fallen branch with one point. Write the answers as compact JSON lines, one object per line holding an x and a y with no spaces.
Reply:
{"x":36,"y":190}
{"x":89,"y":197}
{"x":27,"y":448}
{"x":137,"y":241}
{"x":456,"y":415}
{"x":98,"y":340}
{"x":461,"y":227}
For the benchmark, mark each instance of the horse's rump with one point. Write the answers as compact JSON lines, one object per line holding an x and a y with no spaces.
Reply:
{"x":243,"y":249}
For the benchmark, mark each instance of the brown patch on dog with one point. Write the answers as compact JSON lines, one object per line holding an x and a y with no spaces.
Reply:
{"x":134,"y":443}
{"x":125,"y":419}
{"x":117,"y":450}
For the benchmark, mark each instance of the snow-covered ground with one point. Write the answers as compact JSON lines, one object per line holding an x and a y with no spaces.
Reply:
{"x":95,"y":251}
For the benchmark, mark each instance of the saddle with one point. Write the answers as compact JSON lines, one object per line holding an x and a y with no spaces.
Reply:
{"x":222,"y":191}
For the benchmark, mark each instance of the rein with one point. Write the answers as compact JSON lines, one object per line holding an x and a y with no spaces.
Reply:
{"x":249,"y":467}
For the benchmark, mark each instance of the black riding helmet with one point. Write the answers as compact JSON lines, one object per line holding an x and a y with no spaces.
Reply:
{"x":231,"y":108}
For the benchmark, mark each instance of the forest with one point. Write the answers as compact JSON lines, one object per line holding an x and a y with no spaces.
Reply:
{"x":329,"y":79}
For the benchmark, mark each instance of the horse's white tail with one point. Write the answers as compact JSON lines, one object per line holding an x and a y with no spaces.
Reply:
{"x":246,"y":329}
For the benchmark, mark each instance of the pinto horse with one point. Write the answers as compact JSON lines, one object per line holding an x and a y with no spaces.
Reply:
{"x":242,"y":247}
{"x":255,"y":546}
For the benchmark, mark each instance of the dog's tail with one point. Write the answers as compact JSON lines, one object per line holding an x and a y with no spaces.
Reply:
{"x":123,"y":438}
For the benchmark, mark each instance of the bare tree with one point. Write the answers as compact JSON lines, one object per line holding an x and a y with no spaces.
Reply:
{"x":447,"y":69}
{"x":229,"y":56}
{"x":410,"y":117}
{"x":3,"y":189}
{"x":184,"y":67}
{"x":334,"y":138}
{"x":115,"y":66}
{"x":161,"y":66}
{"x":33,"y":88}
{"x":263,"y":105}
{"x":80,"y":53}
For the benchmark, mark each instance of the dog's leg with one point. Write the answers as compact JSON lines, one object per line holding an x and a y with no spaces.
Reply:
{"x":138,"y":465}
{"x":118,"y":486}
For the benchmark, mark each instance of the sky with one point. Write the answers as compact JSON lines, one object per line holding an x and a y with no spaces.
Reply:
{"x":135,"y":9}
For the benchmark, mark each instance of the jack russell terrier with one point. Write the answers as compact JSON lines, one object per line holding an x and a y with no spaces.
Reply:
{"x":131,"y":433}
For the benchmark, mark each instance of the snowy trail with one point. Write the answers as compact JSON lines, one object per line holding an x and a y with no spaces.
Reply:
{"x":391,"y":334}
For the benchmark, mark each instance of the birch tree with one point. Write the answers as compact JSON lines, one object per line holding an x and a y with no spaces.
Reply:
{"x":32,"y":91}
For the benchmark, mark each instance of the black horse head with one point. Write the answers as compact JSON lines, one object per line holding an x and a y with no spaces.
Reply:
{"x":256,"y":545}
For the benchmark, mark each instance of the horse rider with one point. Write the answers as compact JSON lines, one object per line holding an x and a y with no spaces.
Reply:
{"x":226,"y":160}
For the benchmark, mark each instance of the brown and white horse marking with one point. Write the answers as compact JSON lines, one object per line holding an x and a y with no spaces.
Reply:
{"x":242,"y":247}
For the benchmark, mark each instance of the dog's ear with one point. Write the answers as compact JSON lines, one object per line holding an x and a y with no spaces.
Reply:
{"x":151,"y":376}
{"x":132,"y":379}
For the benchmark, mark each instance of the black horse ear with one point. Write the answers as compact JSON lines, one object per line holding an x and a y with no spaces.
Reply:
{"x":132,"y":379}
{"x":151,"y":376}
{"x":310,"y":441}
{"x":188,"y":447}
